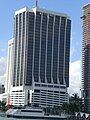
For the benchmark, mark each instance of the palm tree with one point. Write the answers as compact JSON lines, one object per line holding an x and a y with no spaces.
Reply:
{"x":76,"y":100}
{"x":74,"y":105}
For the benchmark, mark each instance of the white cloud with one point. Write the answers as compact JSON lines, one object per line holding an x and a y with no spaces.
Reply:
{"x":75,"y":77}
{"x":2,"y":69}
{"x":2,"y":50}
{"x":72,"y":52}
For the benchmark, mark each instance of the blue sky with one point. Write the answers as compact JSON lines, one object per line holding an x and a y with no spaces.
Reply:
{"x":72,"y":7}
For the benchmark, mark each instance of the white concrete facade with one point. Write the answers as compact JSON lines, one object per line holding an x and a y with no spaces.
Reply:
{"x":44,"y":95}
{"x":10,"y":57}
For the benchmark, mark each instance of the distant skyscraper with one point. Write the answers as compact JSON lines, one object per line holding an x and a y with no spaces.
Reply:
{"x":10,"y":58}
{"x":41,"y":56}
{"x":86,"y":57}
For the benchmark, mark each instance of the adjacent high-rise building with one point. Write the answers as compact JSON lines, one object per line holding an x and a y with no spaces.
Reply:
{"x":10,"y":60}
{"x":41,"y":57}
{"x":86,"y":57}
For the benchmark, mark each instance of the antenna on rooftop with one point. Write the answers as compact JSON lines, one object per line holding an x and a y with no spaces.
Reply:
{"x":36,"y":3}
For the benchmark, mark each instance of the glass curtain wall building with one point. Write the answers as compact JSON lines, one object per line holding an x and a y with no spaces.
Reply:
{"x":41,"y":55}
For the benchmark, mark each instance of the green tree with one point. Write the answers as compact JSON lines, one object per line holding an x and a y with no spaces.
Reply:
{"x":65,"y":107}
{"x":76,"y":100}
{"x":74,"y":105}
{"x":3,"y":106}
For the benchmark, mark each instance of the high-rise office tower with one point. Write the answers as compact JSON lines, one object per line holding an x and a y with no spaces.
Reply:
{"x":86,"y":57}
{"x":10,"y":60}
{"x":41,"y":56}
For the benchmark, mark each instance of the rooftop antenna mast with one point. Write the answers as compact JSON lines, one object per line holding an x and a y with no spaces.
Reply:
{"x":36,"y":3}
